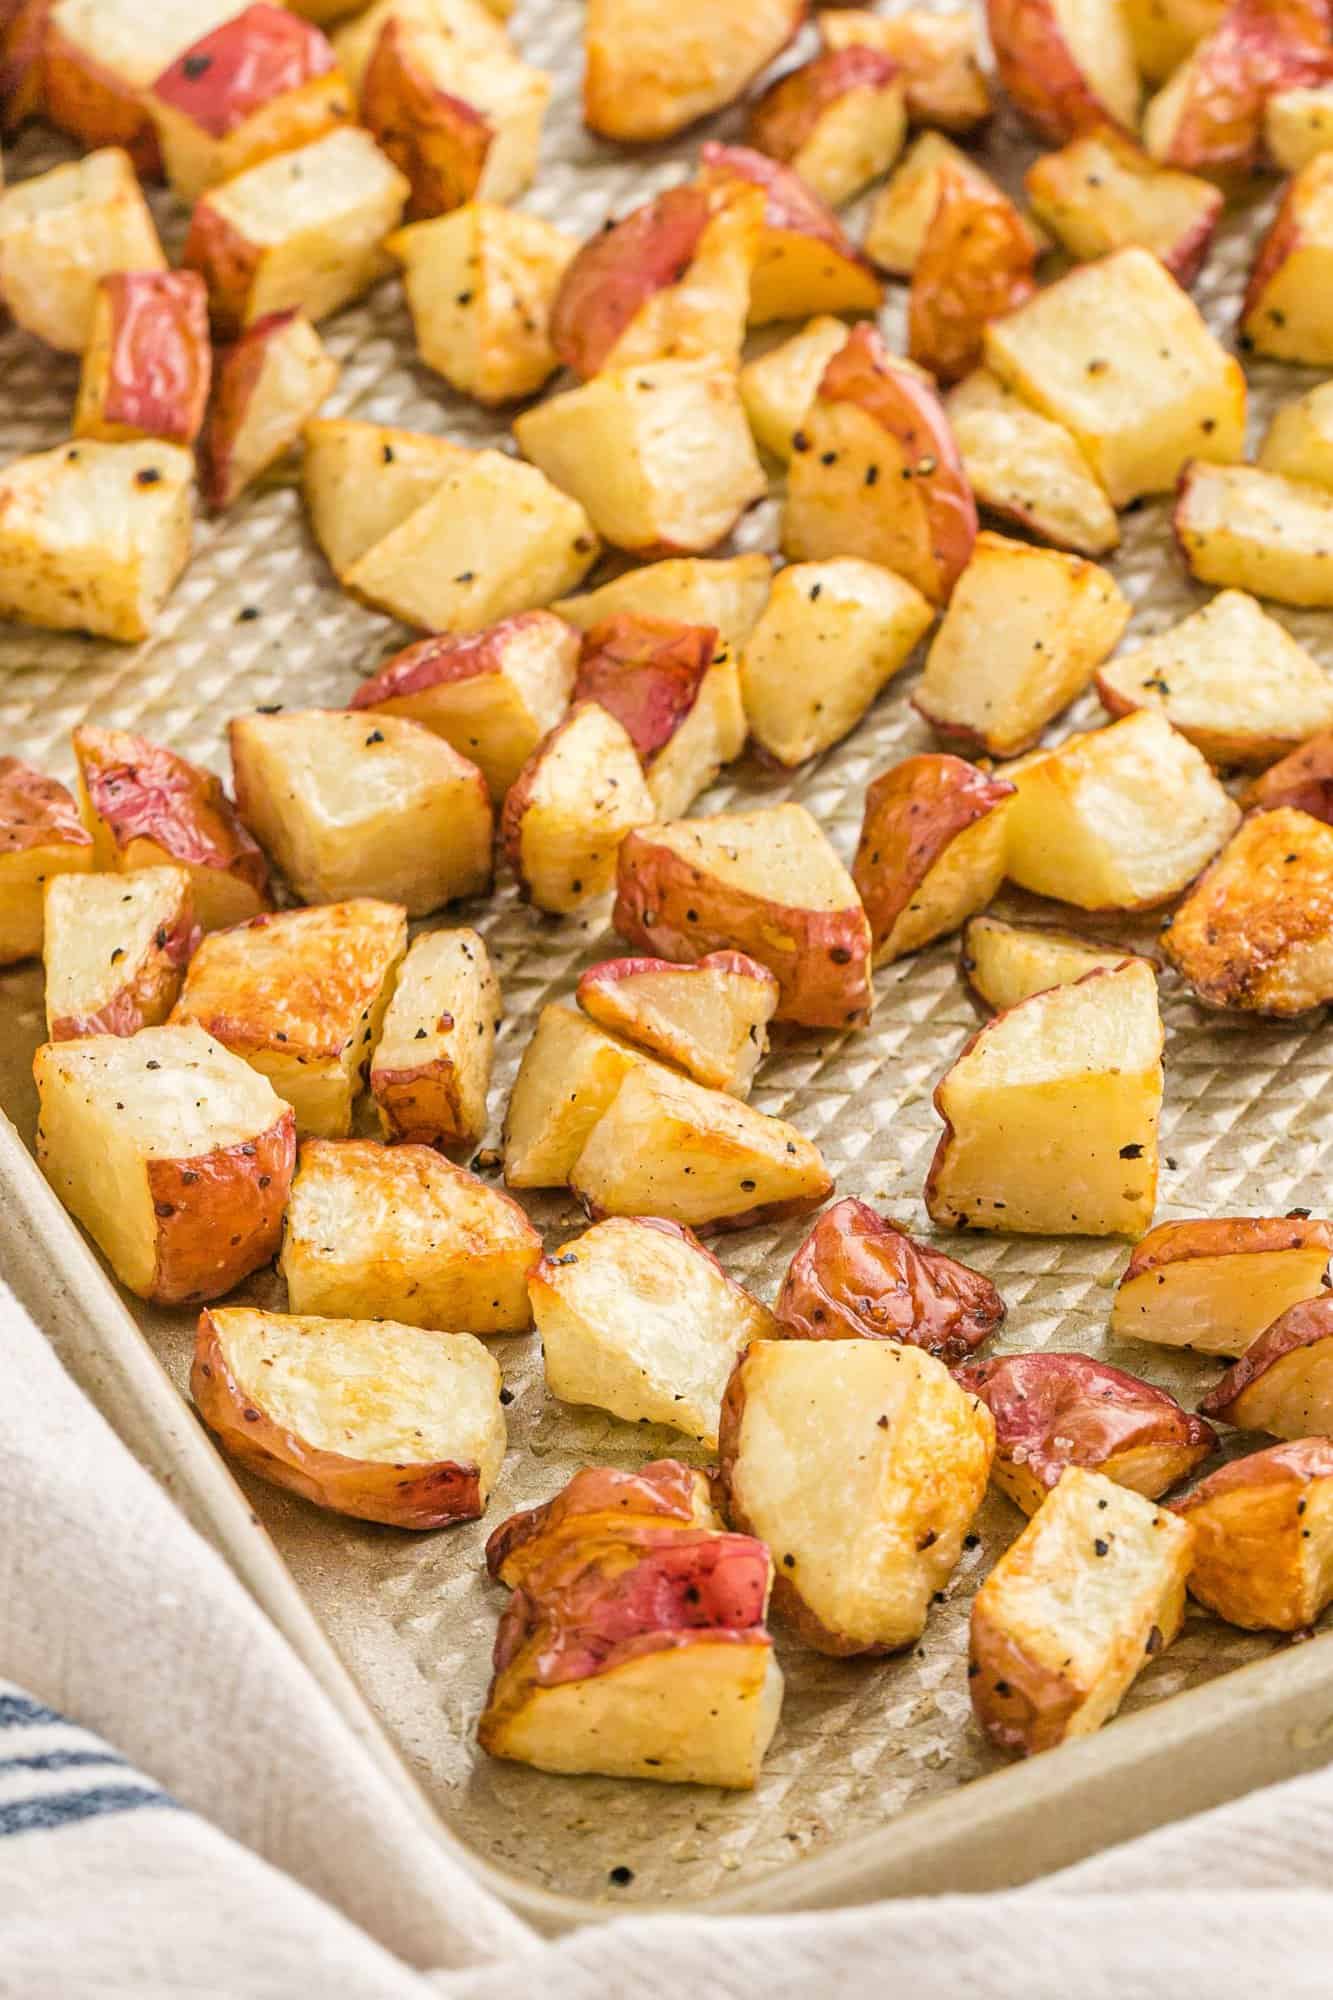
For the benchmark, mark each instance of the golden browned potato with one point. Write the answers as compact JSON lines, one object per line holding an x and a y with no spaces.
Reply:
{"x":1281,"y":1382}
{"x":99,"y":57}
{"x":1121,"y":818}
{"x":1120,"y":355}
{"x":365,"y":1417}
{"x":676,"y":694}
{"x":569,"y":1075}
{"x":937,"y":54}
{"x":1256,"y":930}
{"x":270,"y":384}
{"x":932,"y":850}
{"x":766,"y":883}
{"x":1092,"y":1590}
{"x":1006,"y":963}
{"x":1164,"y":31}
{"x":710,"y":1019}
{"x":807,"y":261}
{"x":301,"y":995}
{"x":1209,"y":115}
{"x":1215,"y":1284}
{"x":1023,"y":635}
{"x":1102,"y":192}
{"x":568,"y":811}
{"x":1304,"y":780}
{"x":1299,"y":440}
{"x":667,"y":1147}
{"x":1050,"y":1114}
{"x":838,"y":121}
{"x":906,"y":204}
{"x":361,"y":481}
{"x":637,"y":1318}
{"x":60,"y":232}
{"x":829,"y":640}
{"x":431,"y":1068}
{"x":354,"y":805}
{"x":94,"y":536}
{"x":861,"y":1463}
{"x":600,"y":1503}
{"x":174,"y":1154}
{"x":1068,"y":67}
{"x":148,"y":362}
{"x":1054,"y":1410}
{"x":649,"y":74}
{"x":399,"y":1233}
{"x":1284,"y":313}
{"x":470,"y":23}
{"x":1298,"y":123}
{"x":778,"y":386}
{"x":1263,"y":1539}
{"x":975,"y":264}
{"x":147,"y":807}
{"x":22,"y":70}
{"x":1026,"y":469}
{"x":728,"y":592}
{"x":1241,"y":526}
{"x":41,"y":836}
{"x":115,"y":950}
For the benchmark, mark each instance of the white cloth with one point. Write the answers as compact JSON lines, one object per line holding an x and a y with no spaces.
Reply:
{"x":205,"y":1827}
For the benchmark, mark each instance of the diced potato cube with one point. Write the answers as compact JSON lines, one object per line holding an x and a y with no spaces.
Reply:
{"x":270,"y":384}
{"x":1237,"y":525}
{"x":1298,"y":123}
{"x":1299,"y":440}
{"x":1285,"y":313}
{"x":1068,"y":65}
{"x":938,"y":55}
{"x":807,"y":261}
{"x":779,"y":387}
{"x":1256,"y":930}
{"x":1101,"y":192}
{"x":99,"y":57}
{"x":710,"y":1019}
{"x":148,"y":363}
{"x":650,"y":74}
{"x":60,"y":232}
{"x":363,"y":480}
{"x":677,"y":697}
{"x":932,"y":850}
{"x":726,"y":591}
{"x":838,"y":121}
{"x":570,"y":1072}
{"x":1209,"y":115}
{"x":1215,"y":1284}
{"x":1006,"y":963}
{"x":432,"y":1067}
{"x":1027,"y":469}
{"x":115,"y":950}
{"x":1304,"y":780}
{"x":41,"y":836}
{"x":470,"y":23}
{"x":1263,"y":1537}
{"x":907,"y":201}
{"x":571,"y":806}
{"x":1281,"y":1382}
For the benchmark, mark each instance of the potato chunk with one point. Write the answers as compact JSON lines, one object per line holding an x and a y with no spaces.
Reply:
{"x":601,"y":1503}
{"x":838,"y":121}
{"x":1116,"y":819}
{"x":1298,"y":123}
{"x":1119,"y":354}
{"x":270,"y":384}
{"x":115,"y":950}
{"x":301,"y":995}
{"x":651,"y":74}
{"x":932,"y":850}
{"x":637,"y":1318}
{"x":1068,"y":65}
{"x":480,"y":285}
{"x":174,"y":1154}
{"x":1093,"y":1588}
{"x":62,"y":231}
{"x":1299,"y":440}
{"x":766,"y":883}
{"x":1284,"y":313}
{"x":1256,"y":930}
{"x":1024,"y":632}
{"x":570,"y":808}
{"x":432,"y":1066}
{"x":94,"y":536}
{"x":710,"y":1019}
{"x":1102,"y":192}
{"x":975,"y":264}
{"x":1282,"y":1383}
{"x":98,"y":59}
{"x":1026,"y":469}
{"x":861,"y":1464}
{"x":41,"y":837}
{"x":1050,"y":1114}
{"x":936,"y":53}
{"x":1215,"y":1285}
{"x":807,"y":261}
{"x":1303,"y":780}
{"x":350,"y":805}
{"x":1240,"y":526}
{"x":1263,"y":1537}
{"x":1006,"y":963}
{"x":1164,"y":31}
{"x":676,"y":695}
{"x":778,"y":387}
{"x":148,"y":363}
{"x":361,"y":481}
{"x":908,"y":200}
{"x":569,"y":1075}
{"x":1209,"y":115}
{"x":364,"y":1417}
{"x":728,"y":592}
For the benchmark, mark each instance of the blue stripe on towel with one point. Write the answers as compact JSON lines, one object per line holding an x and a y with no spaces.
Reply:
{"x":61,"y":1760}
{"x":43,"y":1815}
{"x":18,"y":1711}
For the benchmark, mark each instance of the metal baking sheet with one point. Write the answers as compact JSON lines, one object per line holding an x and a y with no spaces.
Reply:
{"x":862,"y":1785}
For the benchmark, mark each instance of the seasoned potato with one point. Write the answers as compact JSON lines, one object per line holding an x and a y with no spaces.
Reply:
{"x":42,"y":836}
{"x":807,"y":261}
{"x":270,"y":383}
{"x":667,"y":1147}
{"x":1119,"y":354}
{"x":571,"y":806}
{"x":677,"y":697}
{"x":115,"y":950}
{"x":1215,"y":1285}
{"x":398,"y":1233}
{"x":858,"y":1276}
{"x":1254,"y":530}
{"x":1024,"y":632}
{"x":470,"y":23}
{"x":1228,"y":677}
{"x":1068,"y":67}
{"x":1093,"y":1588}
{"x":22,"y":70}
{"x":1053,"y":1410}
{"x":1006,"y":963}
{"x":1304,"y":780}
{"x":1299,"y":440}
{"x":148,"y":363}
{"x":861,"y":1463}
{"x":1164,"y":31}
{"x":362,"y":1416}
{"x":569,"y":1075}
{"x":906,"y":204}
{"x":94,"y":536}
{"x":493,"y":695}
{"x":1263,"y":1537}
{"x":350,"y":805}
{"x":431,"y":1069}
{"x":600,"y":1503}
{"x":1028,"y":470}
{"x":649,"y":74}
{"x":1256,"y":930}
{"x":99,"y":57}
{"x":975,"y":264}
{"x":880,"y":476}
{"x":174,"y":1154}
{"x":1209,"y":115}
{"x":1050,"y":1114}
{"x":936,"y":53}
{"x":1281,"y":1384}
{"x":660,"y":455}
{"x":838,"y":121}
{"x":480,"y":285}
{"x":728,"y":592}
{"x":1116,"y":819}
{"x":829,"y":640}
{"x":147,"y":806}
{"x":932,"y":850}
{"x":303,"y":230}
{"x":766,"y":883}
{"x":301,"y":995}
{"x":778,"y":387}
{"x":1285,"y":312}
{"x":1102,"y":192}
{"x":363,"y":480}
{"x":637,"y":1318}
{"x":710,"y":1019}
{"x":1298,"y":123}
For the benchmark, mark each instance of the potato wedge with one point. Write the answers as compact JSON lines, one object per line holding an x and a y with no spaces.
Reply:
{"x":1215,"y":1285}
{"x":726,"y":591}
{"x":1303,"y":780}
{"x":778,"y":387}
{"x":932,"y":850}
{"x":838,"y":121}
{"x":807,"y":261}
{"x":1006,"y":963}
{"x":1102,"y":192}
{"x":1263,"y":1537}
{"x":601,"y":1503}
{"x":1068,"y":67}
{"x":710,"y":1019}
{"x":1284,"y":312}
{"x":569,"y":1075}
{"x":648,"y":75}
{"x":42,"y":836}
{"x":431,"y":1069}
{"x":570,"y":808}
{"x":1298,"y":123}
{"x":64,"y":230}
{"x":975,"y":264}
{"x":937,"y":54}
{"x":1281,"y":1384}
{"x":1209,"y":115}
{"x":115,"y":950}
{"x":270,"y":384}
{"x":676,"y":694}
{"x":1256,"y":930}
{"x":361,"y":481}
{"x":148,"y":363}
{"x":1028,"y":470}
{"x":1299,"y":440}
{"x":1239,"y":526}
{"x":906,"y":204}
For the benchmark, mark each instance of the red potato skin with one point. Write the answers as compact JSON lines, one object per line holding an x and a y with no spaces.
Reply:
{"x":614,"y":969}
{"x":1037,"y":1703}
{"x":93,"y":105}
{"x":36,"y":811}
{"x":399,"y":1496}
{"x":1303,"y":1325}
{"x":858,"y":1276}
{"x":239,"y":369}
{"x":791,"y":209}
{"x":1260,"y":47}
{"x":519,"y":796}
{"x":1039,"y":73}
{"x":727,"y":1225}
{"x":618,"y":271}
{"x":262,"y":53}
{"x":1221,"y":1236}
{"x":647,"y":672}
{"x":441,"y":660}
{"x":22,"y":69}
{"x":220,"y":1217}
{"x":1304,"y":780}
{"x":976,"y":264}
{"x":790,"y":109}
{"x":662,"y":1491}
{"x":149,"y":998}
{"x":912,"y":813}
{"x":161,"y":362}
{"x":438,"y":141}
{"x":225,"y":261}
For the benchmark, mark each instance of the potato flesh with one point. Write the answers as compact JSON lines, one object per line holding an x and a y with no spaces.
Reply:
{"x":1256,"y":930}
{"x":296,"y":374}
{"x":42,"y":835}
{"x":1283,"y":313}
{"x":1217,"y":1305}
{"x":1299,"y":441}
{"x":1238,"y":525}
{"x":1293,"y":1397}
{"x":1095,"y":33}
{"x":651,"y":74}
{"x":1264,"y":1552}
{"x":964,"y":878}
{"x":114,"y":935}
{"x":60,"y":232}
{"x":727,"y":592}
{"x":855,"y":139}
{"x":565,"y":818}
{"x":362,"y":481}
{"x":777,"y":854}
{"x":711,"y":736}
{"x":1298,"y":124}
{"x":1029,"y":470}
{"x":1100,"y":194}
{"x":432,"y":1065}
{"x":906,"y":204}
{"x":480,"y":284}
{"x":133,"y":45}
{"x":712,"y":1023}
{"x":1164,"y":32}
{"x":568,"y":1077}
{"x":1006,"y":964}
{"x":778,"y":387}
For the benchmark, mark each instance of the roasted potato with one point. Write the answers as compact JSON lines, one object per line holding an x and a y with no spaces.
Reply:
{"x":905,"y":206}
{"x":99,"y":57}
{"x":1053,"y":1410}
{"x":1281,"y":1382}
{"x":764,"y":882}
{"x":1209,"y":116}
{"x":1303,"y":780}
{"x":937,"y":55}
{"x":570,"y":808}
{"x":362,"y":1416}
{"x":829,"y":640}
{"x":1285,"y":312}
{"x":838,"y":121}
{"x":115,"y":950}
{"x":1023,"y":635}
{"x":1006,"y":963}
{"x":1298,"y":123}
{"x":728,"y":592}
{"x":676,"y":695}
{"x":861,"y":1463}
{"x":431,"y":1069}
{"x":932,"y":850}
{"x":174,"y":1154}
{"x":1093,"y":1588}
{"x":1102,"y":192}
{"x":1263,"y":1549}
{"x":349,"y":805}
{"x":807,"y":261}
{"x":362,"y":481}
{"x":975,"y":264}
{"x":472,"y":24}
{"x":648,"y":74}
{"x":778,"y":387}
{"x":42,"y":836}
{"x":22,"y":70}
{"x":1256,"y":930}
{"x":1121,"y":818}
{"x":1164,"y":31}
{"x":270,"y":384}
{"x":1299,"y":440}
{"x":147,"y":806}
{"x":637,"y":1318}
{"x":1026,"y":469}
{"x":710,"y":1019}
{"x":300,"y":994}
{"x":1050,"y":1114}
{"x":1240,"y":526}
{"x":148,"y":363}
{"x":1069,"y":68}
{"x":569,"y":1075}
{"x":600,"y":1503}
{"x":1215,"y":1284}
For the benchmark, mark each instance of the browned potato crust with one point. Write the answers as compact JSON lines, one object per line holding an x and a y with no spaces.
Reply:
{"x":1215,"y":1284}
{"x":1263,"y":1537}
{"x":1256,"y":931}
